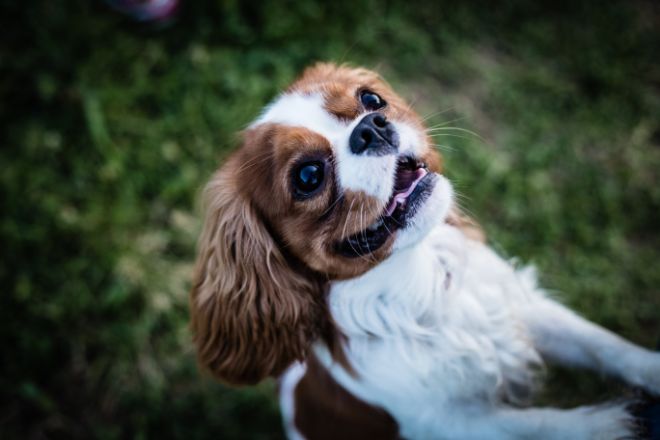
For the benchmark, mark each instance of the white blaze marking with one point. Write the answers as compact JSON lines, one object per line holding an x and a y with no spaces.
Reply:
{"x":299,"y":110}
{"x":373,"y":175}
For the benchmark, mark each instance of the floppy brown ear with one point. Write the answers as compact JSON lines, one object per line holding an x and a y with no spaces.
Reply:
{"x":252,"y":312}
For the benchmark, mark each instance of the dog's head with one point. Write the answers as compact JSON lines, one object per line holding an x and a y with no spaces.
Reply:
{"x":333,"y":177}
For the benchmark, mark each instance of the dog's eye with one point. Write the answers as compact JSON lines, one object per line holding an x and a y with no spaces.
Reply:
{"x":371,"y":101}
{"x":307,"y":178}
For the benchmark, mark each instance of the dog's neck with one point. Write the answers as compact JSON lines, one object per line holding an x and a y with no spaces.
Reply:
{"x":427,"y":315}
{"x":395,"y":297}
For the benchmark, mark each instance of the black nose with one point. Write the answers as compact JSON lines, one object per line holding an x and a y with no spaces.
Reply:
{"x":374,"y":136}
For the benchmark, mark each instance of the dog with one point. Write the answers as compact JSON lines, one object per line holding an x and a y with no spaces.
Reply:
{"x":334,"y":257}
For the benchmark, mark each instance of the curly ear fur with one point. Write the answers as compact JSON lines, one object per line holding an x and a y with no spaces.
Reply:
{"x":252,"y":313}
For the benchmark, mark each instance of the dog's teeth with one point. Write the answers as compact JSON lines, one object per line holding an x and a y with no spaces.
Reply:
{"x":374,"y":226}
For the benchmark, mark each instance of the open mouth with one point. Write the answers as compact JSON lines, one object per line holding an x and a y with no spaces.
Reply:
{"x":413,"y":184}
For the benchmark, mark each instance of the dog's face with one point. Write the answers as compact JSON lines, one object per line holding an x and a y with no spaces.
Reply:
{"x":342,"y":170}
{"x":335,"y":175}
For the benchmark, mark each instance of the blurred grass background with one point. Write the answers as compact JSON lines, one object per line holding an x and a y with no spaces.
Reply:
{"x":110,"y":127}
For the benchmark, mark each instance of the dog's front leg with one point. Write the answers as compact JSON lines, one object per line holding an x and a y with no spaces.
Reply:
{"x":564,"y":337}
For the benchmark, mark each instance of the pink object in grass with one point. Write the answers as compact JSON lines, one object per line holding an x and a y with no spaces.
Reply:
{"x":146,"y":10}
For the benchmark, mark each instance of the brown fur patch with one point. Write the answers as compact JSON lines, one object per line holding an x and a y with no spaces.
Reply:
{"x":325,"y":410}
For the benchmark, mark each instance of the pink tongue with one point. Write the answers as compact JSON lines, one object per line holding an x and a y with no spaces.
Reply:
{"x":400,"y":198}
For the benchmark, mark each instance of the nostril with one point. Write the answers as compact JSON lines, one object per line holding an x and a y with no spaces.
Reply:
{"x":366,"y":136}
{"x":375,"y":135}
{"x":380,"y":121}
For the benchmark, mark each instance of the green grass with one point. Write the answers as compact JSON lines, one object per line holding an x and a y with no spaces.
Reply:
{"x":110,"y":128}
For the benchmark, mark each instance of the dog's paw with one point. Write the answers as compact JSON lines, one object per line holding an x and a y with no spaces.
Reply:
{"x":610,"y":421}
{"x":646,"y":411}
{"x":626,"y":419}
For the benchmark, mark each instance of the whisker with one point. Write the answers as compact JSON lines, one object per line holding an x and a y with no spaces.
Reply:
{"x":444,"y":146}
{"x":464,"y":130}
{"x":363,"y":231}
{"x":445,"y":123}
{"x":453,"y":135}
{"x":385,"y":224}
{"x":372,"y":259}
{"x":461,"y":200}
{"x":412,"y":102}
{"x":254,"y":161}
{"x":332,"y":205}
{"x":346,"y":224}
{"x":342,"y":59}
{"x":433,"y":114}
{"x":343,"y":231}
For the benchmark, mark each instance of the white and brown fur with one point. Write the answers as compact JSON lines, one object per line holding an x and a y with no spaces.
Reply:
{"x":431,"y":335}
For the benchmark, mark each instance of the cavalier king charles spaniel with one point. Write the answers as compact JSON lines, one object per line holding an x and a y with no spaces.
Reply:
{"x":333,"y":256}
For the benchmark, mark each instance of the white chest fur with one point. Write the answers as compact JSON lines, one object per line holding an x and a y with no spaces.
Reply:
{"x":433,"y":330}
